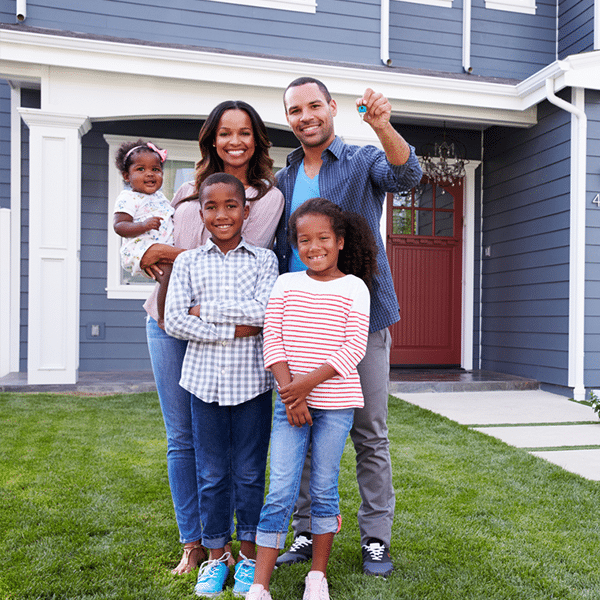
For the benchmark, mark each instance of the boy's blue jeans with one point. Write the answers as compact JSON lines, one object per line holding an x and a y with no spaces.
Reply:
{"x":231,"y":456}
{"x":289,"y":446}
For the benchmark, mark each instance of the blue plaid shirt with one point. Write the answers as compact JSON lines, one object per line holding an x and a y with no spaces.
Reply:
{"x":356,"y":178}
{"x":231,"y":289}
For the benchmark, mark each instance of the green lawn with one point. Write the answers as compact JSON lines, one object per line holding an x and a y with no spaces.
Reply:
{"x":85,"y":511}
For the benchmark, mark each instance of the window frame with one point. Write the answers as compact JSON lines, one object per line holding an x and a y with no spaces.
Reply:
{"x":306,"y":6}
{"x":521,"y":6}
{"x":181,"y":150}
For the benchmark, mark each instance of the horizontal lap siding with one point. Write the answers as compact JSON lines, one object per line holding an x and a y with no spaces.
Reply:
{"x":525,"y":286}
{"x":592,"y":305}
{"x":425,"y":37}
{"x":124,"y":345}
{"x":340,"y":30}
{"x":509,"y":44}
{"x":4,"y":145}
{"x":503,"y":43}
{"x":575,"y":27}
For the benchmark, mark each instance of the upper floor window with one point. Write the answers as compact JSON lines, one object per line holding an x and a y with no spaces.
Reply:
{"x":308,"y":6}
{"x":522,"y":6}
{"x":442,"y":3}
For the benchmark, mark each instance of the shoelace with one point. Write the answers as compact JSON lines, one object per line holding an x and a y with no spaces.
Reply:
{"x":210,"y":565}
{"x":241,"y":575}
{"x":375,"y":550}
{"x":300,"y":542}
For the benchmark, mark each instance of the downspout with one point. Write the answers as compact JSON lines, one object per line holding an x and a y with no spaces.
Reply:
{"x":466,"y":46}
{"x":576,"y":372}
{"x":21,"y":10}
{"x":384,"y":42}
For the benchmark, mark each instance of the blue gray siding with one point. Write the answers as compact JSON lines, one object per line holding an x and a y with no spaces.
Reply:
{"x":504,"y":44}
{"x":592,"y":267}
{"x":575,"y":27}
{"x":4,"y":145}
{"x":525,"y":284}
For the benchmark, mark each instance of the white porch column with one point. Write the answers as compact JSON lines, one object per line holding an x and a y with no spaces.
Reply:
{"x":54,"y":242}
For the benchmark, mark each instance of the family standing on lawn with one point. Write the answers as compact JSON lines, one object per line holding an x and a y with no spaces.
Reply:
{"x":326,"y":341}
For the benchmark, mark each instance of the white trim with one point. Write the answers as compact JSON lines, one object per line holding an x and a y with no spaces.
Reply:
{"x":520,"y":6}
{"x":468,"y":266}
{"x":14,"y":282}
{"x":442,"y":3}
{"x":111,"y":69}
{"x":54,"y":243}
{"x":5,"y":291}
{"x":306,"y":6}
{"x":178,"y":150}
{"x":577,"y":206}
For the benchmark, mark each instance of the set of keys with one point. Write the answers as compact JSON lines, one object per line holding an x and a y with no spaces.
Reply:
{"x":362,"y":111}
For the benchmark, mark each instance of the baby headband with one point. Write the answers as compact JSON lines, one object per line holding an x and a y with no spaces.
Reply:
{"x":161,"y":153}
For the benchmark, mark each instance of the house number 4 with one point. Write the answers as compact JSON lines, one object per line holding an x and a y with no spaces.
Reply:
{"x":596,"y":200}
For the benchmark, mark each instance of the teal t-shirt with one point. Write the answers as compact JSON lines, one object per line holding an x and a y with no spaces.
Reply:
{"x":304,"y":188}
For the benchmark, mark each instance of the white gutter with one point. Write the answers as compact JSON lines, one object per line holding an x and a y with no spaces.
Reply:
{"x":466,"y":44}
{"x":21,"y":10}
{"x":576,"y":378}
{"x":385,"y":33}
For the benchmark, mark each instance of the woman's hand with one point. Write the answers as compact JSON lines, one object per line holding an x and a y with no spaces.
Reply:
{"x":158,"y":253}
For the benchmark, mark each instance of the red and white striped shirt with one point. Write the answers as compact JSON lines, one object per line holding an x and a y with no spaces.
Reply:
{"x":310,"y":322}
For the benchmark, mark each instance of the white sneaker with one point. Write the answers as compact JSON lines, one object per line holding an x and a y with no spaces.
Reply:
{"x":315,"y":586}
{"x":257,"y":592}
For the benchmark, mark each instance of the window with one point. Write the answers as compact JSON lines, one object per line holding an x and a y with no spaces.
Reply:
{"x":178,"y":168}
{"x":522,"y":6}
{"x":307,"y":6}
{"x":442,"y":3}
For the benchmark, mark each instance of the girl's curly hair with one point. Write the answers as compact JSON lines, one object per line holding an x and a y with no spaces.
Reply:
{"x":359,"y":254}
{"x":122,"y":161}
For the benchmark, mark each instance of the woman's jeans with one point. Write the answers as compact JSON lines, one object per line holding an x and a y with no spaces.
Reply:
{"x":289,"y":446}
{"x":232,"y":444}
{"x":166,"y":354}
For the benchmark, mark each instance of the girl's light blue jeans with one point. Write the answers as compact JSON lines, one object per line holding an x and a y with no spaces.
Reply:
{"x":289,"y":446}
{"x":166,"y":354}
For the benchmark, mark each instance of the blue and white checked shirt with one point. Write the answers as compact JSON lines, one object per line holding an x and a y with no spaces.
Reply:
{"x":231,"y":289}
{"x":356,"y":178}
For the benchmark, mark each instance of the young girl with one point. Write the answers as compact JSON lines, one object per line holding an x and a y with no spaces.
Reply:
{"x":316,"y":329}
{"x":143,"y":215}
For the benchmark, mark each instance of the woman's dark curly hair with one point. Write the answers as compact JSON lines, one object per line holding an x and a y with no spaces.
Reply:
{"x":260,"y":168}
{"x":359,"y":254}
{"x":124,"y":163}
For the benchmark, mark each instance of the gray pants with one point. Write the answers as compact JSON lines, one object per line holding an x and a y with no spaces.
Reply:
{"x":370,"y":437}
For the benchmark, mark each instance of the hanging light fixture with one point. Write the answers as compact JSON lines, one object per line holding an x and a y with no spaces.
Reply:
{"x":443,"y":160}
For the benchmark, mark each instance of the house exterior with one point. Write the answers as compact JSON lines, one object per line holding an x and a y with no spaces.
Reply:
{"x":505,"y":262}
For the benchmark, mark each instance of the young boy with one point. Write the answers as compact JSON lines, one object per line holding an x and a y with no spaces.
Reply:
{"x":217,"y":298}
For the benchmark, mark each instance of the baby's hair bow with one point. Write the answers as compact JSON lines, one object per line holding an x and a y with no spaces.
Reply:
{"x":161,"y":153}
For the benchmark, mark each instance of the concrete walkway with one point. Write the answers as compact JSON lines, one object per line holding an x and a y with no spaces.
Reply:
{"x":552,"y":427}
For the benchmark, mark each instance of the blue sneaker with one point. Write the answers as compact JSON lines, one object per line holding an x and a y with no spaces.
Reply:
{"x":244,"y":576}
{"x":212,"y":576}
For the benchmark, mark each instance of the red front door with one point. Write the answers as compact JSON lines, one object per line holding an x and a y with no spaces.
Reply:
{"x":424,"y":246}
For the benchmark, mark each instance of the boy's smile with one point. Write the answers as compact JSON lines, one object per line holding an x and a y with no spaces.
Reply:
{"x":223,"y":213}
